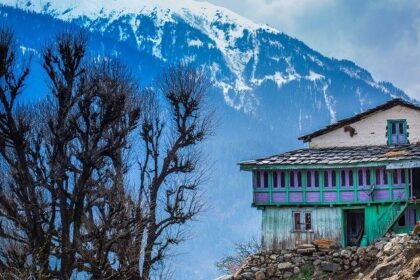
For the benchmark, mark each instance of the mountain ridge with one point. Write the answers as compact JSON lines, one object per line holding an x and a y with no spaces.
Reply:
{"x":280,"y":92}
{"x":243,"y":54}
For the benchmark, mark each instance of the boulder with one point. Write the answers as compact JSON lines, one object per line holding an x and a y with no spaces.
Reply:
{"x":329,"y":267}
{"x":388,"y":248}
{"x":316,"y":262}
{"x":271,"y":270}
{"x":248,"y":276}
{"x":284,"y":265}
{"x":287,"y":275}
{"x":259,"y":275}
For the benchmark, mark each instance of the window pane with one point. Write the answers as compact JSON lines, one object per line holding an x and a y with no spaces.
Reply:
{"x":257,"y":179}
{"x":308,"y":221}
{"x":275,"y":182}
{"x":333,"y":178}
{"x":361,"y":177}
{"x":395,"y":177}
{"x":265,"y":179}
{"x":378,"y":176}
{"x":309,"y":179}
{"x":343,"y":178}
{"x":401,"y":127}
{"x":385,"y":176}
{"x":292,"y":178}
{"x":282,"y":179}
{"x":351,"y":178}
{"x":316,"y":179}
{"x":368,"y":182}
{"x":394,"y":129}
{"x":403,"y":176}
{"x":326,"y":179}
{"x":299,"y":179}
{"x":296,"y":216}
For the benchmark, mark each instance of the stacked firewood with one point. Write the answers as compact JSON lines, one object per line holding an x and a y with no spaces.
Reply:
{"x":323,"y":244}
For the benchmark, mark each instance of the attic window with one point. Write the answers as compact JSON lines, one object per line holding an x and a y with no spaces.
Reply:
{"x":397,"y":132}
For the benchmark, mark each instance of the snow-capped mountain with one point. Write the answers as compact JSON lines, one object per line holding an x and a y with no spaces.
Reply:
{"x":269,"y":88}
{"x":240,"y":54}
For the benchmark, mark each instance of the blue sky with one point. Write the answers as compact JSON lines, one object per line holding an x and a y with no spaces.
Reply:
{"x":381,"y":36}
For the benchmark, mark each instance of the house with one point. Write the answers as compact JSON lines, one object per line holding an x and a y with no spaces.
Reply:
{"x":358,"y":179}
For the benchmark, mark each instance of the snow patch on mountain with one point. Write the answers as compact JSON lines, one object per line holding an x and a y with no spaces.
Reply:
{"x":330,"y":103}
{"x":223,"y":27}
{"x":314,"y":76}
{"x":240,"y":55}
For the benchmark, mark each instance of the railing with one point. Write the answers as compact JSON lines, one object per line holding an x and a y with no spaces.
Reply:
{"x":390,"y":216}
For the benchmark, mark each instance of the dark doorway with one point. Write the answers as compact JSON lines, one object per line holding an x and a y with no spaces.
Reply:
{"x":355,"y":226}
{"x":416,"y":182}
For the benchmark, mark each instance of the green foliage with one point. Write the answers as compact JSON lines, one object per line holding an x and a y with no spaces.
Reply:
{"x":306,"y":273}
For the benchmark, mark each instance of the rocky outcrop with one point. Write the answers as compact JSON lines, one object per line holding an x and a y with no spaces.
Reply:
{"x":393,"y":257}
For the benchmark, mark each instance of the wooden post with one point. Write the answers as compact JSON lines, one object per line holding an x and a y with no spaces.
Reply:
{"x":304,"y":184}
{"x":356,"y":184}
{"x":390,"y":181}
{"x":287,"y":183}
{"x":338,"y":184}
{"x":321,"y":185}
{"x":270,"y":187}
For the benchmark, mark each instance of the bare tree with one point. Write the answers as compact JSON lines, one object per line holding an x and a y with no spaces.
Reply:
{"x":26,"y":216}
{"x":171,"y":169}
{"x":65,"y":205}
{"x":58,"y":164}
{"x":131,"y":237}
{"x":90,"y":121}
{"x":232,"y":262}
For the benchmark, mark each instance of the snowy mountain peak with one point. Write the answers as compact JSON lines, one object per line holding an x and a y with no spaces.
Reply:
{"x":226,"y":30}
{"x":196,"y":12}
{"x":242,"y":57}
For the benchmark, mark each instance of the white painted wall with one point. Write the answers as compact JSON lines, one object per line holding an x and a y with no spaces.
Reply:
{"x":371,"y":130}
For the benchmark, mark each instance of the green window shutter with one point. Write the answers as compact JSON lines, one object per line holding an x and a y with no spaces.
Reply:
{"x":388,"y":132}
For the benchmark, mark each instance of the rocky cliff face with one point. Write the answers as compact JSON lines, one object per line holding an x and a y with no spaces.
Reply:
{"x":393,"y":257}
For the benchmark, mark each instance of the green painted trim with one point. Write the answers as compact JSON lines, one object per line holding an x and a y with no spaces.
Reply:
{"x":356,"y":184}
{"x":390,"y":178}
{"x":390,"y":194}
{"x":277,"y":190}
{"x":304,"y":185}
{"x":287,"y":183}
{"x":338,"y":182}
{"x":389,"y":130}
{"x":270,"y":186}
{"x":406,"y":134}
{"x":328,"y":204}
{"x":321,"y":185}
{"x":319,"y":166}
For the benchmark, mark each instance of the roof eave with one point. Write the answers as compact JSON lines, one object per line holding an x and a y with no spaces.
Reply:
{"x":385,"y":106}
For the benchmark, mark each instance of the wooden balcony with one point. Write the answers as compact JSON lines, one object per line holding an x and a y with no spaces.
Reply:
{"x":330,"y":186}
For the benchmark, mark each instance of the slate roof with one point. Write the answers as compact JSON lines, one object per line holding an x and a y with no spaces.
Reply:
{"x":340,"y":155}
{"x":347,"y":121}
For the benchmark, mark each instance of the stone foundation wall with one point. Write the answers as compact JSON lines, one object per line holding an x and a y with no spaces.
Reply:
{"x":351,"y":261}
